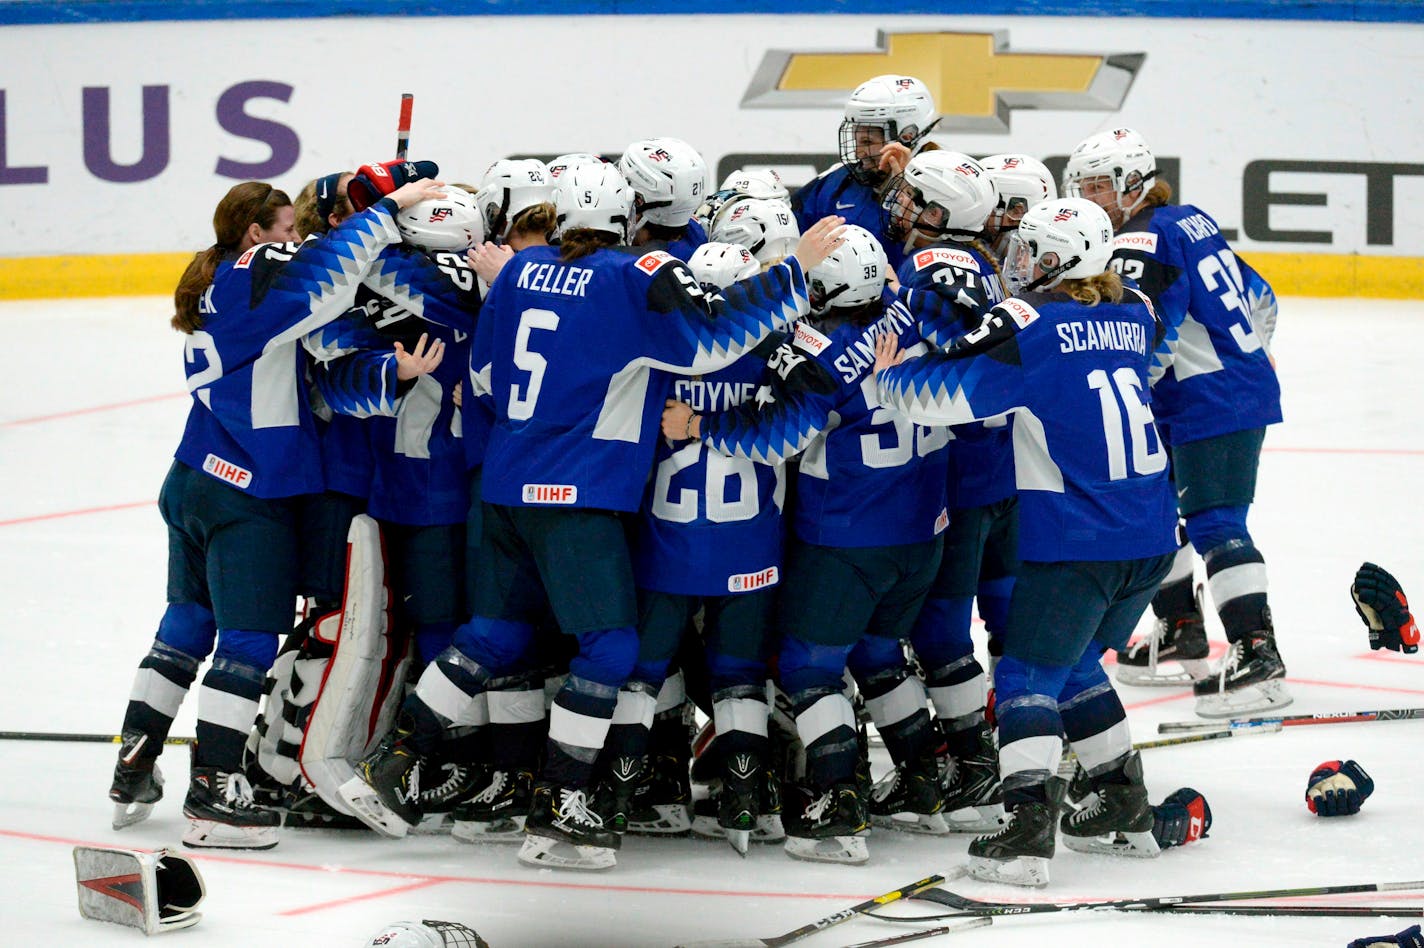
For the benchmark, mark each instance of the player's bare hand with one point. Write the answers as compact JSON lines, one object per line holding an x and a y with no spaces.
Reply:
{"x":893,"y":158}
{"x":457,"y":394}
{"x":422,"y":360}
{"x":819,"y":241}
{"x":416,"y":191}
{"x":488,"y":259}
{"x":677,"y":420}
{"x":887,"y":351}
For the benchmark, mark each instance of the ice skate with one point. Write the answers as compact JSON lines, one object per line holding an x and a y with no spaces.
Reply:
{"x":973,"y":797}
{"x":661,"y":801}
{"x":562,"y":832}
{"x":221,"y":814}
{"x":1180,"y":639}
{"x":385,"y":792}
{"x":908,"y":799}
{"x":829,"y":826}
{"x":1116,"y":818}
{"x":1251,"y":679}
{"x":497,"y":812}
{"x":1019,"y":853}
{"x":136,"y":788}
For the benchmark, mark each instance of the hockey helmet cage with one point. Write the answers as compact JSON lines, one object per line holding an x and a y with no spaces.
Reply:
{"x":1121,"y":155}
{"x":941,"y":194}
{"x":427,"y":934}
{"x":1066,"y":239}
{"x":900,"y":106}
{"x":1021,"y":181}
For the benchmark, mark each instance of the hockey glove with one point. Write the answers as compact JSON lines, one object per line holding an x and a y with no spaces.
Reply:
{"x":373,"y":182}
{"x":1182,"y":818}
{"x":1381,"y":604}
{"x":1337,"y":788}
{"x":1411,"y":937}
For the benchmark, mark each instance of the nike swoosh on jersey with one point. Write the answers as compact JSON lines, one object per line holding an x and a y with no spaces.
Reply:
{"x":842,"y":207}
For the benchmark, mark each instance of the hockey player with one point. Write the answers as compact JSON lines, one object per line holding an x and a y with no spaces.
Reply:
{"x":567,"y":342}
{"x":1070,"y":355}
{"x":940,"y":208}
{"x":249,"y":448}
{"x":1021,"y":182}
{"x":887,"y":120}
{"x":767,"y":228}
{"x":760,"y":184}
{"x":1218,"y":394}
{"x":669,"y":180}
{"x":868,"y":515}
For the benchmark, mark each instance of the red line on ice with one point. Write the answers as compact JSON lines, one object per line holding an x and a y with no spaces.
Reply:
{"x":112,"y":406}
{"x":380,"y":894}
{"x":56,"y":515}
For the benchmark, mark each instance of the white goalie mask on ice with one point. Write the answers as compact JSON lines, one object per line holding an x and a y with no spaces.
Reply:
{"x":451,"y":222}
{"x":941,"y":195}
{"x":716,"y":265}
{"x":596,"y":197}
{"x":669,"y":177}
{"x":1021,"y":181}
{"x":1066,"y":239}
{"x":426,"y":934}
{"x":511,"y":185}
{"x":882,"y":110}
{"x":1108,"y":167}
{"x":854,"y":273}
{"x":766,"y":228}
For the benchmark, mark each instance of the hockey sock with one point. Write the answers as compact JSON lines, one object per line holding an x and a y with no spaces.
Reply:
{"x":519,"y":723}
{"x":1175,"y":597}
{"x":442,"y":695}
{"x":227,"y":706}
{"x":825,"y":722}
{"x":1236,"y":572}
{"x":1096,"y":726}
{"x":160,"y":685}
{"x":958,"y":692}
{"x":739,"y":715}
{"x":1029,"y":727}
{"x":578,"y":727}
{"x":629,"y":732}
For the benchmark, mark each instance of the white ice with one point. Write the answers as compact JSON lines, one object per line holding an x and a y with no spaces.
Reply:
{"x":83,"y":559}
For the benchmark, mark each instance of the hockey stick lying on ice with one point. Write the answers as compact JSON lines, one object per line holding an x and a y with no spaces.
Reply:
{"x":980,"y":922}
{"x":804,"y":931}
{"x":1327,"y":911}
{"x":79,"y":738}
{"x":1292,"y":720}
{"x":968,"y":906}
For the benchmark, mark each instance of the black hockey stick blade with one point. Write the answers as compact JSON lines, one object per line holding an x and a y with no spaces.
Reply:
{"x":980,"y":922}
{"x":904,"y":892}
{"x":78,"y":738}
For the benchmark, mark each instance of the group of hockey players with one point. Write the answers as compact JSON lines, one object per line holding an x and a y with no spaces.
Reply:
{"x":554,"y":460}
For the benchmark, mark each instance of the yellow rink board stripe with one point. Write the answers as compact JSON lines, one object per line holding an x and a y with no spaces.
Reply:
{"x":1292,"y":274}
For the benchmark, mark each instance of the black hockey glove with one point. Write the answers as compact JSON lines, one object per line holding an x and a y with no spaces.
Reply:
{"x":1382,"y":605}
{"x":1411,"y":937}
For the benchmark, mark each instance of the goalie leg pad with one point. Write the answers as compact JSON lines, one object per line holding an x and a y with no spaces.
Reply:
{"x":154,"y":892}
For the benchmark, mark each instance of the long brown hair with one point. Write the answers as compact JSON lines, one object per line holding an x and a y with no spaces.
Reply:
{"x":1159,"y":195}
{"x":245,"y":204}
{"x":535,"y":222}
{"x":582,"y":241}
{"x":1094,"y":289}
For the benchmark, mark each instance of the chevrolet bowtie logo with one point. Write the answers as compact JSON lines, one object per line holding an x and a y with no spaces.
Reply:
{"x":975,"y":80}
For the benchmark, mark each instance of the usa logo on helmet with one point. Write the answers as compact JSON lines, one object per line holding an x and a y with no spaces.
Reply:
{"x":1065,"y":214}
{"x":440,"y":213}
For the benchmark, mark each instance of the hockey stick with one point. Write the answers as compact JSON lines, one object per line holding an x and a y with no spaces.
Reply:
{"x":980,"y":922}
{"x":1293,"y":720}
{"x":905,"y":892}
{"x":1327,"y":911}
{"x":78,"y":738}
{"x":403,"y":125}
{"x":970,"y":906}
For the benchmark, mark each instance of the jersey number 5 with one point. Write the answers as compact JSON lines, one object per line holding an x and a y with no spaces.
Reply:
{"x":1145,"y":460}
{"x":521,"y":404}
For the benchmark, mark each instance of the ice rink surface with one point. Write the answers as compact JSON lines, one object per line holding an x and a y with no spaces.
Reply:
{"x":95,"y":410}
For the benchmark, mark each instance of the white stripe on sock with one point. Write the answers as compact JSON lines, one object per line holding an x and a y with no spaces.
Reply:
{"x":157,"y":692}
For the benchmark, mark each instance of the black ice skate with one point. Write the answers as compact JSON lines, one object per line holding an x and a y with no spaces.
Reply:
{"x":972,"y":793}
{"x":739,"y":799}
{"x":1116,"y":818}
{"x":221,"y":814}
{"x":496,"y":813}
{"x":1180,"y":639}
{"x":908,"y":798}
{"x":385,"y":793}
{"x":614,"y":795}
{"x":662,"y":801}
{"x":829,"y":825}
{"x":137,"y":785}
{"x":1019,"y":853}
{"x":563,"y":832}
{"x":1251,"y":678}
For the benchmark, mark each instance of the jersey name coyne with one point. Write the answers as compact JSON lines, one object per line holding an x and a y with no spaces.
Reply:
{"x":1080,"y":336}
{"x":552,"y":278}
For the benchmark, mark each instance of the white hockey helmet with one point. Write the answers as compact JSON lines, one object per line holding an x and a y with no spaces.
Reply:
{"x":901,"y":107}
{"x":853,"y":274}
{"x":511,"y":185}
{"x":1064,"y":239}
{"x":761,"y":183}
{"x":942,"y":194}
{"x":767,"y":228}
{"x":426,"y":934}
{"x":716,"y":265}
{"x":596,"y":197}
{"x":451,"y":222}
{"x":1109,"y":166}
{"x":669,"y":177}
{"x":562,"y":163}
{"x":1022,"y":181}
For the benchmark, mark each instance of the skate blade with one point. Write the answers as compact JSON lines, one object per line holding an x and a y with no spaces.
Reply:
{"x":542,"y":852}
{"x":1139,"y":845}
{"x":209,"y":834}
{"x":986,"y":818}
{"x":1192,"y":670}
{"x":508,"y":829}
{"x":739,"y":840}
{"x":847,"y":850}
{"x":671,"y":819}
{"x":1020,"y":870}
{"x":768,"y":829}
{"x":1266,"y":696}
{"x":433,"y":824}
{"x":369,"y":809}
{"x":127,"y":814}
{"x":926,"y":824}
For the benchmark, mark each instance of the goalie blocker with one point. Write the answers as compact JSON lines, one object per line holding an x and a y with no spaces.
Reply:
{"x":154,"y":892}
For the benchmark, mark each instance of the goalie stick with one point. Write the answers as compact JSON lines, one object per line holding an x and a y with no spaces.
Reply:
{"x":812,"y":928}
{"x":967,"y":906}
{"x":1293,"y":720}
{"x":403,"y":124}
{"x":78,"y":738}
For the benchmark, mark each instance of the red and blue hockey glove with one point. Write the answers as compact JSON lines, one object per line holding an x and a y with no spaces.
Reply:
{"x":1337,"y":788}
{"x":373,"y":182}
{"x":1182,"y":818}
{"x":1382,"y":605}
{"x":1412,"y":937}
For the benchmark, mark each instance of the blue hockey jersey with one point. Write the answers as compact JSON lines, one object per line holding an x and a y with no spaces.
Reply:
{"x":251,"y":424}
{"x":1092,"y":472}
{"x":867,"y":476}
{"x":1219,"y":378}
{"x":570,"y":354}
{"x":834,"y":191}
